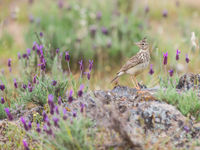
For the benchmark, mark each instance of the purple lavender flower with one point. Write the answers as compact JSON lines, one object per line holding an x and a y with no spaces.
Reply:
{"x":35,"y":79}
{"x":165,"y":56}
{"x":56,"y":120}
{"x":88,"y":75}
{"x":29,"y":125}
{"x":177,"y":3}
{"x":41,"y":55}
{"x":41,"y":34}
{"x":31,"y":18}
{"x":93,"y":30}
{"x":151,"y":71}
{"x":15,"y":83}
{"x":49,"y":132}
{"x":57,"y":110}
{"x":82,"y":107}
{"x":28,"y":51}
{"x":187,"y":58}
{"x":45,"y":128}
{"x":2,"y":87}
{"x":90,"y":65}
{"x":80,"y":92}
{"x":34,"y":45}
{"x":25,"y":56}
{"x":30,"y":88}
{"x":25,"y":145}
{"x":171,"y":72}
{"x":54,"y":82}
{"x":2,"y":100}
{"x":19,"y":55}
{"x":186,"y":128}
{"x":44,"y":115}
{"x":146,"y":9}
{"x":74,"y":114}
{"x":57,"y":50}
{"x":177,"y":54}
{"x":39,"y":49}
{"x":50,"y":99}
{"x":98,"y":15}
{"x":59,"y":100}
{"x":24,"y":86}
{"x":70,"y":98}
{"x":165,"y":13}
{"x":38,"y":128}
{"x":60,"y":4}
{"x":67,"y":57}
{"x":64,"y":114}
{"x":24,"y":123}
{"x":47,"y":121}
{"x":43,"y":65}
{"x":81,"y":65}
{"x":9,"y":62}
{"x":51,"y":103}
{"x":42,"y":60}
{"x":104,"y":30}
{"x":65,"y":117}
{"x":31,"y":1}
{"x":8,"y":114}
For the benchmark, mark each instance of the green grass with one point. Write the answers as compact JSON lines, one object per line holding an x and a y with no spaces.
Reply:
{"x":74,"y":136}
{"x":2,"y":112}
{"x":188,"y":103}
{"x":64,"y":32}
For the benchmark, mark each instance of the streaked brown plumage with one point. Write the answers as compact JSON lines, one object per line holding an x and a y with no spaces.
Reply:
{"x":137,"y":63}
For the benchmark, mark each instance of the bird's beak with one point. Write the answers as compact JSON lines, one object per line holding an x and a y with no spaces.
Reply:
{"x":137,"y":43}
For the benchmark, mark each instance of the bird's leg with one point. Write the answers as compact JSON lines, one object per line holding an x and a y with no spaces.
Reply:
{"x":133,"y":81}
{"x":145,"y":94}
{"x":136,"y":83}
{"x":138,"y":87}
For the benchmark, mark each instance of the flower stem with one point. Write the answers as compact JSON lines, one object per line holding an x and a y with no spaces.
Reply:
{"x":69,"y":67}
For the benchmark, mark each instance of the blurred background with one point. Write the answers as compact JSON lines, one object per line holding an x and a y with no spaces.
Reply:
{"x":105,"y":31}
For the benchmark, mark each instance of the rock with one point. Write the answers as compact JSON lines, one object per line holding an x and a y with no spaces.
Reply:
{"x":132,"y":120}
{"x":188,"y":81}
{"x":138,"y":117}
{"x":20,"y":111}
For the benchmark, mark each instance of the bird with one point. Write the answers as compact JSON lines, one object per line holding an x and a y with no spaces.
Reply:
{"x":137,"y":63}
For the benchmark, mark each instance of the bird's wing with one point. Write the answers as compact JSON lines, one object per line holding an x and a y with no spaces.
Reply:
{"x":132,"y":62}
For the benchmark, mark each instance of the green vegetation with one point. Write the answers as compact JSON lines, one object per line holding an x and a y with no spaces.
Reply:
{"x":187,"y":102}
{"x":57,"y":42}
{"x":70,"y":136}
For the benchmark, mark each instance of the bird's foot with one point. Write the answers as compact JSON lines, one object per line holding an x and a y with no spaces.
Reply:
{"x":146,"y":95}
{"x":138,"y":88}
{"x":141,"y":92}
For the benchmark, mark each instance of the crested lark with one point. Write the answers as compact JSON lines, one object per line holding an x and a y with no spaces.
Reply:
{"x":136,"y":64}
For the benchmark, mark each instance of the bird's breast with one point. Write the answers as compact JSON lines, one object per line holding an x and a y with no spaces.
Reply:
{"x":137,"y":69}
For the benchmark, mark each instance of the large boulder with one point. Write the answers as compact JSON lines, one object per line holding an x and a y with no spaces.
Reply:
{"x":138,"y":119}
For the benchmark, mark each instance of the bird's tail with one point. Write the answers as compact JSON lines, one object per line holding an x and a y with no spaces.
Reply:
{"x":118,"y":75}
{"x":114,"y":79}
